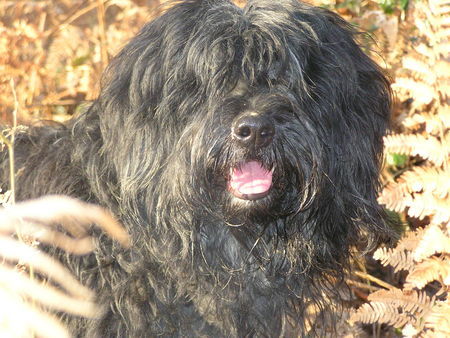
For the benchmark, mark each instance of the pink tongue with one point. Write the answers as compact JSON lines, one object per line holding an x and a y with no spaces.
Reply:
{"x":251,"y":178}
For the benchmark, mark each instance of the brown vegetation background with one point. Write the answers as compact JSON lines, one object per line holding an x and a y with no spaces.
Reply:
{"x":52,"y":54}
{"x":55,"y":50}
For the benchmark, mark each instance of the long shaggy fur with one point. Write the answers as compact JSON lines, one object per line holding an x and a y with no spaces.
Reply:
{"x":156,"y":149}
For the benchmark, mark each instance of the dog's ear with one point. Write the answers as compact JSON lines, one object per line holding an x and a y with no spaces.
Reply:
{"x":353,"y":97}
{"x":350,"y":101}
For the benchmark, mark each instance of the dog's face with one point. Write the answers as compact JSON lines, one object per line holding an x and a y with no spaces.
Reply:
{"x":262,"y":151}
{"x":270,"y":112}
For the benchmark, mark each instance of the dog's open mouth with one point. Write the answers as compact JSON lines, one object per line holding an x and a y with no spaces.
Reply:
{"x":250,"y":181}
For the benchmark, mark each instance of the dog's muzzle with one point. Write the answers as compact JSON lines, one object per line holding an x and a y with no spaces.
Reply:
{"x":250,"y":180}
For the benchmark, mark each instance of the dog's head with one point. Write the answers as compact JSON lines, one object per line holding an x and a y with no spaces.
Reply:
{"x":263,"y":115}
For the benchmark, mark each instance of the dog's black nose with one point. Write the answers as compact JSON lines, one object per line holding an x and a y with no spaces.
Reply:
{"x":253,"y":129}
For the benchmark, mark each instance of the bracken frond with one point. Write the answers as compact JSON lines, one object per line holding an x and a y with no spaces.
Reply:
{"x":434,"y":123}
{"x":398,"y":259}
{"x":420,"y":90}
{"x":411,"y":240}
{"x":443,"y":48}
{"x":437,"y":19}
{"x":427,"y":147}
{"x":414,"y":187}
{"x":433,"y":241}
{"x":440,"y":7}
{"x":443,"y":69}
{"x":395,"y":196}
{"x":382,"y":313}
{"x":439,"y":320}
{"x":434,"y":268}
{"x":25,"y":298}
{"x":423,"y":189}
{"x":428,"y":179}
{"x":409,"y":331}
{"x":421,"y":68}
{"x":416,"y":303}
{"x":425,"y":69}
{"x":427,"y":204}
{"x":425,"y":51}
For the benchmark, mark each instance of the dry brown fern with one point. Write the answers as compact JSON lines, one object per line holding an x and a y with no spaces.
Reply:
{"x":411,"y":305}
{"x":425,"y":255}
{"x":434,"y":149}
{"x":438,"y":322}
{"x":32,"y":282}
{"x":432,"y":122}
{"x":398,"y":259}
{"x":378,"y":312}
{"x":434,"y":240}
{"x":436,"y":268}
{"x":421,"y":190}
{"x":431,"y":179}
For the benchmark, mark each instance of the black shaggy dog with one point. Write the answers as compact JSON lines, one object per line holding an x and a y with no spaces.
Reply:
{"x":241,"y":150}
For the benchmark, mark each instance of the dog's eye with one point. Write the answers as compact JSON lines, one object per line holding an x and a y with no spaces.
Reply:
{"x":244,"y":131}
